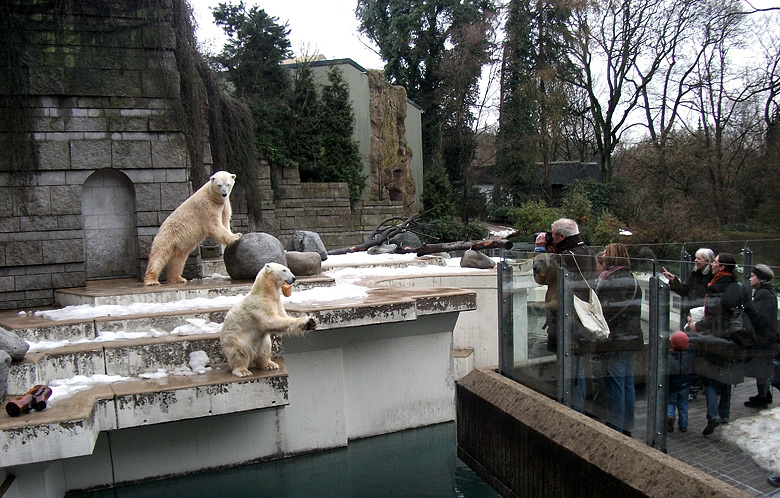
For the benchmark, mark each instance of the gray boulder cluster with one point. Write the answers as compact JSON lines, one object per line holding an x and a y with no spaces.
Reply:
{"x":12,"y":348}
{"x":305,"y":252}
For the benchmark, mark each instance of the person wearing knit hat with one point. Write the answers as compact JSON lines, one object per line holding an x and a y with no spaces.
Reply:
{"x":680,"y":371}
{"x":679,"y":341}
{"x":760,"y":357}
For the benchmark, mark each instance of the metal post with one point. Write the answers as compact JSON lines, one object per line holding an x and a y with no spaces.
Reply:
{"x":506,"y":343}
{"x":686,"y":269}
{"x":657,"y":364}
{"x":747,"y":266}
{"x":565,"y":359}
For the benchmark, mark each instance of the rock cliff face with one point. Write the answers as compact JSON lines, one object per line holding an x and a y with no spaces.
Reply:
{"x":390,"y":157}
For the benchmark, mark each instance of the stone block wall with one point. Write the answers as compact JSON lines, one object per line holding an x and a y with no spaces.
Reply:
{"x":97,"y":95}
{"x":93,"y":94}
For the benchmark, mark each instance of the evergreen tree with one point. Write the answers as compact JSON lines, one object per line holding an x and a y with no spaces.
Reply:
{"x":251,"y":58}
{"x":303,"y":124}
{"x":340,"y":159}
{"x":533,"y":98}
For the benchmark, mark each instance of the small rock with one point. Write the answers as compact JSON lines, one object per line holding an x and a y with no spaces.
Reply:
{"x":304,"y":263}
{"x":306,"y":241}
{"x":475,"y":259}
{"x":382,"y":249}
{"x":406,"y":240}
{"x":5,"y":369}
{"x":15,"y":346}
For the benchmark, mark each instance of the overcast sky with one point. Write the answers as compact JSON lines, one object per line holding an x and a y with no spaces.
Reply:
{"x":326,"y":27}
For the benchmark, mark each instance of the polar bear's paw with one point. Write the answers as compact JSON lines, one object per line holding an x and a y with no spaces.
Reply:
{"x":150,"y":282}
{"x":269,"y":365}
{"x":242,"y":372}
{"x":311,"y":324}
{"x":236,"y":236}
{"x":180,"y":280}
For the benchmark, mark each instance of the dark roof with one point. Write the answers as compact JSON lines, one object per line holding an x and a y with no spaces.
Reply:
{"x":566,"y":172}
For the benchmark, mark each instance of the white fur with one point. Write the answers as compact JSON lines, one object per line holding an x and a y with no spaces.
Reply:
{"x":207,"y":212}
{"x":246,"y":333}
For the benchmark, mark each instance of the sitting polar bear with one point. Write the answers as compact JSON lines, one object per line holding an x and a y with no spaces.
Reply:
{"x":206,"y":212}
{"x":246,"y":333}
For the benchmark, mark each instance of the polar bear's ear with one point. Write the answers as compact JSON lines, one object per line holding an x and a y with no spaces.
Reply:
{"x":232,"y":176}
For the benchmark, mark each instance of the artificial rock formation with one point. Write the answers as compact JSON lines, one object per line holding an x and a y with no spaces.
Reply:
{"x":391,"y":156}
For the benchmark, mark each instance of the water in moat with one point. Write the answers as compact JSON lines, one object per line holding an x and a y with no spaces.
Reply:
{"x":413,"y":463}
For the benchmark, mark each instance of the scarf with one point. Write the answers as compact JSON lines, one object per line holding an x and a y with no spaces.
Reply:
{"x":609,"y":272}
{"x":718,"y":276}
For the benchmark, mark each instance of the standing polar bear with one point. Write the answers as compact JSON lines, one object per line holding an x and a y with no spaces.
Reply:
{"x":206,"y":212}
{"x":246,"y":333}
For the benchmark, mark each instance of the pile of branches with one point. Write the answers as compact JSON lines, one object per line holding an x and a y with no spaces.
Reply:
{"x":397,"y":225}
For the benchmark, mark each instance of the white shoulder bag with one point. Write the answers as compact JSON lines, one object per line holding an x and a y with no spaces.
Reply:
{"x":590,"y":313}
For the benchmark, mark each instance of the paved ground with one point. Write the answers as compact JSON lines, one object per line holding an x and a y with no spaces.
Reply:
{"x":713,"y":454}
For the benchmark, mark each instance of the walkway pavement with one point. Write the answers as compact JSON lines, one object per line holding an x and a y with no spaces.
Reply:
{"x":714,"y":454}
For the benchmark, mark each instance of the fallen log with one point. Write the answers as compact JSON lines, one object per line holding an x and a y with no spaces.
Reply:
{"x":478,"y":245}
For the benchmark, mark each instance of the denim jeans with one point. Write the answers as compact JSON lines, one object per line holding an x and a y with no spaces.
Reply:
{"x":679,"y":400}
{"x":718,"y":397}
{"x":618,"y":368}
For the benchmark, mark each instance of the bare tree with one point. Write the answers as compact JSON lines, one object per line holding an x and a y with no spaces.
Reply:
{"x":619,"y":46}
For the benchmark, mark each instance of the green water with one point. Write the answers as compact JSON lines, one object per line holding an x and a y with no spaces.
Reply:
{"x":414,"y":463}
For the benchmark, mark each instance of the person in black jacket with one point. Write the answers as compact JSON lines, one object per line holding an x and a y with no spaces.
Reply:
{"x":565,"y":248}
{"x":760,"y":356}
{"x":694,"y":289}
{"x":724,"y":293}
{"x":621,"y":302}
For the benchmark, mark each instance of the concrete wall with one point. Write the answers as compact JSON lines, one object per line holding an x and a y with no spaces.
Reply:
{"x":344,"y":384}
{"x":525,"y":445}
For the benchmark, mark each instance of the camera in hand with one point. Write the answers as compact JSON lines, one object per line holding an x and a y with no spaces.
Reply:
{"x":548,"y":238}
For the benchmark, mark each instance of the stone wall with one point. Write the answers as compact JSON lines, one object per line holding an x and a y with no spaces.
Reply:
{"x":91,"y":102}
{"x":525,"y":444}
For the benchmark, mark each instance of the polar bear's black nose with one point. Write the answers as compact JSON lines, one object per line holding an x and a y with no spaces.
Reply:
{"x":224,"y":195}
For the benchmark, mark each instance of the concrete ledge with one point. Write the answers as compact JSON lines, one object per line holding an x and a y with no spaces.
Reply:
{"x":70,"y":426}
{"x":525,"y":444}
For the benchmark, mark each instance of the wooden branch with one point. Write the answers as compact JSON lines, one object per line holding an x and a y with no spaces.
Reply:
{"x":478,"y":245}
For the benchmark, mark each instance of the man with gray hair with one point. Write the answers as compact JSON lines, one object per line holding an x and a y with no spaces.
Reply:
{"x":564,"y":247}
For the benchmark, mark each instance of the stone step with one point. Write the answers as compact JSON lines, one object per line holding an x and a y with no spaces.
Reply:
{"x":69,"y":426}
{"x":124,"y":292}
{"x":132,"y":357}
{"x":127,"y":358}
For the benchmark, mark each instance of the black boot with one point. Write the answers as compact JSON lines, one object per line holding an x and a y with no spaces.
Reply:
{"x":759,"y":401}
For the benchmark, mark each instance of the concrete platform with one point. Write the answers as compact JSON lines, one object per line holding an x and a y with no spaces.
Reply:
{"x":70,"y":426}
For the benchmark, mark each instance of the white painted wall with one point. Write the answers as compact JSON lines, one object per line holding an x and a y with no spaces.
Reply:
{"x":344,"y":384}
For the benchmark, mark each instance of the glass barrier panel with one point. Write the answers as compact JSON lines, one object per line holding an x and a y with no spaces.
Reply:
{"x":639,"y":378}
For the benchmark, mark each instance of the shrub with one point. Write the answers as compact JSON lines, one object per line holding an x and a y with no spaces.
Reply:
{"x":578,"y":207}
{"x":451,"y":229}
{"x":606,"y":230}
{"x":533,"y":217}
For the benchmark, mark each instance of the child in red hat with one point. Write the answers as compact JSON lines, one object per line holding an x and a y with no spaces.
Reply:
{"x":680,"y":372}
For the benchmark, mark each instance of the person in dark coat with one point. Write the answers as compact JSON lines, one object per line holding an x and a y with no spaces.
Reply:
{"x":724,"y":293}
{"x":760,"y":357}
{"x":694,"y":289}
{"x":621,"y":302}
{"x":567,"y":249}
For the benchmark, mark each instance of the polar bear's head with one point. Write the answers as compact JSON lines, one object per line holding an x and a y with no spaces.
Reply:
{"x":276,"y":272}
{"x":222,"y":182}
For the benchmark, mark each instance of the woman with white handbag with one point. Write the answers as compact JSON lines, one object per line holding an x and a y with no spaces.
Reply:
{"x":621,"y":302}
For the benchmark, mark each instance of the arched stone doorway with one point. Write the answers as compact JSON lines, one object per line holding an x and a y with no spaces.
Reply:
{"x":108,"y":210}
